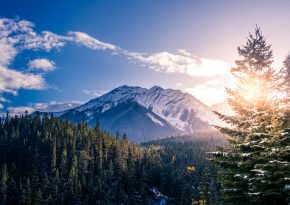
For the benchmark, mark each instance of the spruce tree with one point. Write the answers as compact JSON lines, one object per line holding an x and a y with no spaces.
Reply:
{"x":285,"y":86}
{"x":255,"y":168}
{"x":3,"y":184}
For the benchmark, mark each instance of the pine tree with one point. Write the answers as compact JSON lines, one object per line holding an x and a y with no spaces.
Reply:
{"x":26,"y":196}
{"x":4,"y":184}
{"x":73,"y":175}
{"x":204,"y":186}
{"x":286,"y":125}
{"x":285,"y":85}
{"x":53,"y":158}
{"x":286,"y":74}
{"x":12,"y":191}
{"x":255,"y":168}
{"x":51,"y":161}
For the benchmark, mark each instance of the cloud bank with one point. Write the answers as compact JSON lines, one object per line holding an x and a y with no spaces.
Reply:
{"x":94,"y":93}
{"x":51,"y":106}
{"x":12,"y":80}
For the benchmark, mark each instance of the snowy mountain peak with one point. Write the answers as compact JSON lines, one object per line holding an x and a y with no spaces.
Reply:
{"x":182,"y":110}
{"x":155,"y":88}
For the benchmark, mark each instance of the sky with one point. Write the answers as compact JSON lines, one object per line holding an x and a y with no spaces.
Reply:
{"x":55,"y":55}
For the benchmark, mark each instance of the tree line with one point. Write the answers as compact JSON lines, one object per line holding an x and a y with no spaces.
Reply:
{"x":46,"y":160}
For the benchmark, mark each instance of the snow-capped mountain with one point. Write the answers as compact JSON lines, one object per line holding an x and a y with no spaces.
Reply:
{"x":168,"y":111}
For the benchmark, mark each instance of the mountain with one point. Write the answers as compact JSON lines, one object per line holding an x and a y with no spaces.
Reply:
{"x":127,"y":117}
{"x":145,"y":114}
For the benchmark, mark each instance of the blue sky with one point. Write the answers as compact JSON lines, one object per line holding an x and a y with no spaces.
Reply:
{"x":95,"y":46}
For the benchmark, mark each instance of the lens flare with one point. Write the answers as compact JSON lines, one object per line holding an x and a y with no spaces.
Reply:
{"x":253,"y":91}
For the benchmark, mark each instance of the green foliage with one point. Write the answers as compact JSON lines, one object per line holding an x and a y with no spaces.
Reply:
{"x":45,"y":160}
{"x":4,"y":183}
{"x":186,"y":174}
{"x":256,"y":169}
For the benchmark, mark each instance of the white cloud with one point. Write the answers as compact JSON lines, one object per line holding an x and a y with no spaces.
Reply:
{"x":179,"y":84}
{"x":2,"y":99}
{"x":182,"y":62}
{"x":184,"y":52}
{"x":207,"y":95}
{"x":54,"y":106}
{"x":12,"y":80}
{"x":8,"y":52}
{"x":223,"y":108}
{"x":95,"y":93}
{"x":42,"y":64}
{"x":19,"y":110}
{"x":19,"y":35}
{"x":212,"y":91}
{"x":16,"y":36}
{"x":51,"y":106}
{"x":45,"y":41}
{"x":90,"y":42}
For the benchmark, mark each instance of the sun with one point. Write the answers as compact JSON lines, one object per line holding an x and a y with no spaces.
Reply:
{"x":253,"y":91}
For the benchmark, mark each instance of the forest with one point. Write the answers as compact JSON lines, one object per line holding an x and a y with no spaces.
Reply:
{"x":50,"y":161}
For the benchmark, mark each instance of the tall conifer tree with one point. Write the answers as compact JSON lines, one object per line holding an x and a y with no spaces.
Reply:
{"x":255,"y":168}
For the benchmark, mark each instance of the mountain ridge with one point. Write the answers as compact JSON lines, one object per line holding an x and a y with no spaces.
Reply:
{"x":171,"y":112}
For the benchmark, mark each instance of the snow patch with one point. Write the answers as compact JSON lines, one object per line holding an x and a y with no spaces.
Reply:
{"x":156,"y":121}
{"x":177,"y":108}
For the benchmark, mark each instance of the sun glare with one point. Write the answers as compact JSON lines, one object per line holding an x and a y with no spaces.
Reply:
{"x":253,"y":91}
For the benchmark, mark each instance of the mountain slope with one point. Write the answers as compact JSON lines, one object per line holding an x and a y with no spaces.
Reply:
{"x":180,"y":109}
{"x":145,"y":114}
{"x":139,"y":123}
